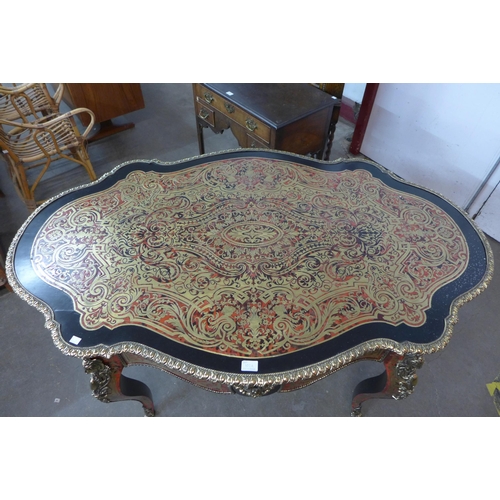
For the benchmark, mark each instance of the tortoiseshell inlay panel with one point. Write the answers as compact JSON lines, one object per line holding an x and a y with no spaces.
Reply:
{"x":250,"y":257}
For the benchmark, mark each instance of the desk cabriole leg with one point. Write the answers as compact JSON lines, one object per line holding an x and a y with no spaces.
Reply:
{"x":397,"y":381}
{"x":201,"y":141}
{"x":109,"y":385}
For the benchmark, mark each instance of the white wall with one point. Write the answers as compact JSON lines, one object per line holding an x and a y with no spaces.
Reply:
{"x":354,"y":91}
{"x":487,"y":206}
{"x":443,"y":136}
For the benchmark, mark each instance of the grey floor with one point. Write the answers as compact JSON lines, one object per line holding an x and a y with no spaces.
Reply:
{"x":38,"y":380}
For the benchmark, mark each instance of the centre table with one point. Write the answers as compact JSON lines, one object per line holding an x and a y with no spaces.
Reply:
{"x":249,"y":272}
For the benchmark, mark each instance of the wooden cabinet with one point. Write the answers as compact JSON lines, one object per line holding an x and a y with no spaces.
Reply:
{"x":107,"y":101}
{"x":292,"y":117}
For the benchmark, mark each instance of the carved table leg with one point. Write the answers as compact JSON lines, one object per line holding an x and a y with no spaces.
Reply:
{"x":397,"y":381}
{"x":109,"y":385}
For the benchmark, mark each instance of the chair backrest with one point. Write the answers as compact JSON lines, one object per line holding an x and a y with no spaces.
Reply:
{"x":28,"y":102}
{"x":13,"y":140}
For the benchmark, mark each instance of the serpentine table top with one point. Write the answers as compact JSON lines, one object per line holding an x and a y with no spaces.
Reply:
{"x":249,"y":271}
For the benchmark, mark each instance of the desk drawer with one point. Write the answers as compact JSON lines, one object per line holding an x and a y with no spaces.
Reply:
{"x":235,"y":113}
{"x":252,"y":142}
{"x":205,"y":113}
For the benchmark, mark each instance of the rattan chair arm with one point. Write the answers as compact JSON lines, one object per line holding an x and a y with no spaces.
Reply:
{"x":16,"y":90}
{"x":17,"y":127}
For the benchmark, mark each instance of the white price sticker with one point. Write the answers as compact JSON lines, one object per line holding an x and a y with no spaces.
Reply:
{"x":249,"y":366}
{"x":75,"y":340}
{"x":229,"y":93}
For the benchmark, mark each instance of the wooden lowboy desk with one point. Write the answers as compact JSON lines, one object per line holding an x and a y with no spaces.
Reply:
{"x":292,"y":117}
{"x":249,"y":272}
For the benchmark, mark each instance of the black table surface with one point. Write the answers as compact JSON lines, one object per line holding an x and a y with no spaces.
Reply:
{"x":263,"y":201}
{"x":276,"y":104}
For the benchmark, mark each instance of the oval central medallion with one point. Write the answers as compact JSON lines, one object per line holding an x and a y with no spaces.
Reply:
{"x":252,"y":234}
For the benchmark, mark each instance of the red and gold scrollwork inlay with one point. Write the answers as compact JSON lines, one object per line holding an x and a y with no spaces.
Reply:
{"x":250,"y":257}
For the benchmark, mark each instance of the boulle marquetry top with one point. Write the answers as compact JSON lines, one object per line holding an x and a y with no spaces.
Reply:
{"x":249,"y":264}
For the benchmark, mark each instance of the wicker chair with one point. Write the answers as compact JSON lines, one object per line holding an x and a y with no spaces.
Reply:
{"x":29,"y":101}
{"x":38,"y":143}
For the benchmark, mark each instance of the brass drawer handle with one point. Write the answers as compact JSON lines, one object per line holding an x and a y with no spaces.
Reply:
{"x":229,"y":107}
{"x":203,"y":114}
{"x":251,"y":125}
{"x":208,"y":97}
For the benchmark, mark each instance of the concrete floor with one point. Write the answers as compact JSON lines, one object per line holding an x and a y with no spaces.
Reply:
{"x":38,"y":380}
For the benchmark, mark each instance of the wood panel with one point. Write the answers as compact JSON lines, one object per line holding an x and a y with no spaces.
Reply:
{"x":106,"y":100}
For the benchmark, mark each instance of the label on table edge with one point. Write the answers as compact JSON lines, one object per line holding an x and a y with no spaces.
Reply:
{"x":249,"y":366}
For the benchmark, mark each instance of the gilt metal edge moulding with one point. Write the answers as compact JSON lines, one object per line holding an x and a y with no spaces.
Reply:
{"x":312,"y":372}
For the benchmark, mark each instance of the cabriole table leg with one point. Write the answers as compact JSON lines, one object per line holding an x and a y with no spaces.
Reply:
{"x":397,"y":381}
{"x":109,"y":385}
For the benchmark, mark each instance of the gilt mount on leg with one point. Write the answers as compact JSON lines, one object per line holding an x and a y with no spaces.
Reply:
{"x":109,"y":385}
{"x":397,"y":381}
